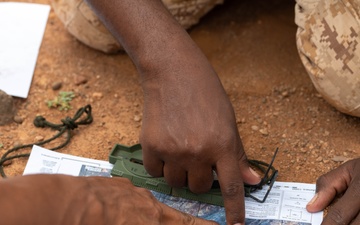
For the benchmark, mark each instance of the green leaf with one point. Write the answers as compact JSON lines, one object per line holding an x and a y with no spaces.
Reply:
{"x":62,"y":101}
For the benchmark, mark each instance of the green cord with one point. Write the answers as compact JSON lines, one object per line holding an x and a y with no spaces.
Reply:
{"x":67,"y":125}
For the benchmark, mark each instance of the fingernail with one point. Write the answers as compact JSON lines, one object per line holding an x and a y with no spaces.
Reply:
{"x":313,"y":199}
{"x":256,"y":174}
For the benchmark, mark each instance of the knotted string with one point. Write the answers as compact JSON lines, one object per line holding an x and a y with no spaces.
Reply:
{"x":67,"y":125}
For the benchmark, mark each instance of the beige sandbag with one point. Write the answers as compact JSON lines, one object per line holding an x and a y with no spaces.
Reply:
{"x":82,"y":22}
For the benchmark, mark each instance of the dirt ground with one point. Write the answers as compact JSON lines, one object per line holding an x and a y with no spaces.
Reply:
{"x":251,"y":45}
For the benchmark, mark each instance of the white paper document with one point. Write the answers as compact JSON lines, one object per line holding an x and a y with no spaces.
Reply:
{"x":285,"y":204}
{"x":22,"y":27}
{"x":42,"y":160}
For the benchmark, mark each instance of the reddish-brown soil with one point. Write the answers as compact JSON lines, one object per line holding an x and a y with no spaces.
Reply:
{"x":251,"y":44}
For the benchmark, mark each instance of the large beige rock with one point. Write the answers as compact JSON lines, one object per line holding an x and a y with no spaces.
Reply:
{"x":82,"y":22}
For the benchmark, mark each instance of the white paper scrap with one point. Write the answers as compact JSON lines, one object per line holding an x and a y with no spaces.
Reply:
{"x":22,"y":27}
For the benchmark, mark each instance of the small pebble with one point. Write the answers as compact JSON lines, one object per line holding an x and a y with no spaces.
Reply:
{"x":264,"y":132}
{"x":97,"y":95}
{"x":137,"y":118}
{"x":79,"y":79}
{"x":39,"y":138}
{"x":17,"y":144}
{"x":254,"y":128}
{"x":285,"y":94}
{"x":56,"y":86}
{"x":18,"y":119}
{"x":339,"y":159}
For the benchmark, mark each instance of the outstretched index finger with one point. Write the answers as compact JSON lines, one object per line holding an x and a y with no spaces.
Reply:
{"x":232,"y":189}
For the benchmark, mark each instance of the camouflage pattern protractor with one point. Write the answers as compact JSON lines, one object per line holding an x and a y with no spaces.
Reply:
{"x":127,"y":162}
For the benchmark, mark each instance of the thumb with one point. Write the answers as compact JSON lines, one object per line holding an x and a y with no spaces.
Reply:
{"x":320,"y":201}
{"x":249,"y":175}
{"x":327,"y":187}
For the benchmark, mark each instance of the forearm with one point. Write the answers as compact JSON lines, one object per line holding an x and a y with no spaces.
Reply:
{"x":149,"y":34}
{"x":39,"y":200}
{"x":188,"y":125}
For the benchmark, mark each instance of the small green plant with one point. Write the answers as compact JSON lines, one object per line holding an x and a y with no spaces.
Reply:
{"x":1,"y":145}
{"x":62,"y":101}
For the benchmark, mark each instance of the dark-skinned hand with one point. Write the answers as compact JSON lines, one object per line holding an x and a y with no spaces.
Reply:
{"x":342,"y":184}
{"x":189,"y":128}
{"x":61,"y":199}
